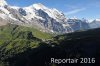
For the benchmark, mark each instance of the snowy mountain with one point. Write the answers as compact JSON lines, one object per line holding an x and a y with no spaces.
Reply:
{"x":95,"y":23}
{"x":41,"y":17}
{"x":77,"y":24}
{"x":37,"y":15}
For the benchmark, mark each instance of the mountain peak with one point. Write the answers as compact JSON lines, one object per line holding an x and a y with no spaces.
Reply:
{"x":39,"y":6}
{"x":3,"y":3}
{"x":97,"y":19}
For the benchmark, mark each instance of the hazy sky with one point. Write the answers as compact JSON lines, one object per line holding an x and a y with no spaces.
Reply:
{"x":89,"y":9}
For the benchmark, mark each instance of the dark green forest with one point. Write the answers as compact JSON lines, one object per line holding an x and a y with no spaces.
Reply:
{"x":25,"y":46}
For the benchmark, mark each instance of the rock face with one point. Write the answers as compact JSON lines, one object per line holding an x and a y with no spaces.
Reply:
{"x":36,"y":15}
{"x":77,"y":24}
{"x":95,"y":23}
{"x":39,"y":16}
{"x":2,"y":22}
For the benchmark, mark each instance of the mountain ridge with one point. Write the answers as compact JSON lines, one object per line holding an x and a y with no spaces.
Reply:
{"x":41,"y":17}
{"x":45,"y":19}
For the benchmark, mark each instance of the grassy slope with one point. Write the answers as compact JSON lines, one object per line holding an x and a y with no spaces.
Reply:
{"x":16,"y":39}
{"x":73,"y":45}
{"x":7,"y":29}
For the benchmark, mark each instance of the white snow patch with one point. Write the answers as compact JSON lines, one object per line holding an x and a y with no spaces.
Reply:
{"x":3,"y":16}
{"x":97,"y":20}
{"x":3,"y":3}
{"x":39,"y":6}
{"x":4,"y":10}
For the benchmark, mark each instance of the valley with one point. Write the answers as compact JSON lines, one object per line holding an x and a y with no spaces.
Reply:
{"x":28,"y":49}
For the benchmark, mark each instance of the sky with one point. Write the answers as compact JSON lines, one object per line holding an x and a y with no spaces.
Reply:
{"x":89,"y":9}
